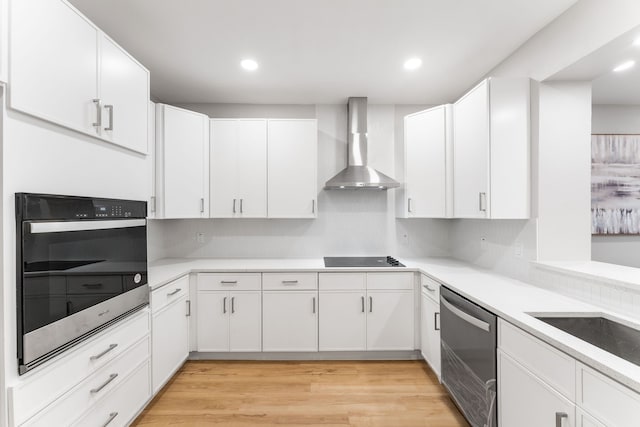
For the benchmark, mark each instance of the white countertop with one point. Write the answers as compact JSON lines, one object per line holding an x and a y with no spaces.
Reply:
{"x":508,"y":298}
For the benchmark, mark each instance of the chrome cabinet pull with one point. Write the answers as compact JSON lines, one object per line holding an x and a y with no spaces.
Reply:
{"x":362,"y":301}
{"x":97,"y":389}
{"x":289,"y":282}
{"x":233,"y":305}
{"x":409,"y":205}
{"x":228,"y":282}
{"x":202,"y":205}
{"x":428,"y":288}
{"x":436,"y":323}
{"x":112,"y":416}
{"x":188,"y":308}
{"x":99,"y":355}
{"x":370,"y":304}
{"x":234,"y":205}
{"x":98,"y":122}
{"x":313,"y":206}
{"x":224,"y":305}
{"x":314,"y":305}
{"x":241,"y":200}
{"x":110,"y":109}
{"x":174,"y":292}
{"x":560,"y":417}
{"x":153,"y":204}
{"x":482,"y":202}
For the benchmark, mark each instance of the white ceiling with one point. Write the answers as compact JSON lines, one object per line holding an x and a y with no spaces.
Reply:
{"x":318,"y":51}
{"x":609,"y":87}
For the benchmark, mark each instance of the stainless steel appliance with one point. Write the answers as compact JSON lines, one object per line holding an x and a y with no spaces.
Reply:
{"x":361,"y":261}
{"x":358,"y":174}
{"x":469,"y":371}
{"x":81,"y":265}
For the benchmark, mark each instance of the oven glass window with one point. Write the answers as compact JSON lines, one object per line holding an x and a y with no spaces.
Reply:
{"x":66,"y":272}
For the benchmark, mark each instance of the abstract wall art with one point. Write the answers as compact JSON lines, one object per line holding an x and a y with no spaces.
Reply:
{"x":615,"y":184}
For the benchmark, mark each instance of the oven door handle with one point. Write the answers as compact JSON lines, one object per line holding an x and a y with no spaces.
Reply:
{"x":62,"y":226}
{"x":464,"y":316}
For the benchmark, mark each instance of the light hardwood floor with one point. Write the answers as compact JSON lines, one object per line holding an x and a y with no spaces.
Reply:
{"x":326,"y":393}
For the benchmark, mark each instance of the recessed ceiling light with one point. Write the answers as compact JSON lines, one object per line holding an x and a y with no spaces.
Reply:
{"x":412,"y":64}
{"x":249,"y":64}
{"x":624,"y":66}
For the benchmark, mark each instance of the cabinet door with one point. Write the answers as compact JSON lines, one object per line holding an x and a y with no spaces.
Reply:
{"x":224,"y":169}
{"x":585,"y":420}
{"x":124,"y":91}
{"x":471,"y":154}
{"x":289,"y":321}
{"x":252,"y":168}
{"x":212,"y":321}
{"x":425,"y":136}
{"x":293,"y":176}
{"x":390,"y":320}
{"x":184,"y":141}
{"x":54,"y":63}
{"x":342,"y":321}
{"x":424,"y":327}
{"x":525,"y":401}
{"x":431,"y":322}
{"x":170,"y":340}
{"x":245,"y":321}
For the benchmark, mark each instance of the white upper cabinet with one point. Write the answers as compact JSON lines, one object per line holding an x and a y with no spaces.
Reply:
{"x":426,"y":192}
{"x":238,"y":168}
{"x":124,"y":94}
{"x":182,"y":163}
{"x":54,"y":64}
{"x":63,"y":69}
{"x":292,"y":176}
{"x":491,"y":153}
{"x":4,"y":32}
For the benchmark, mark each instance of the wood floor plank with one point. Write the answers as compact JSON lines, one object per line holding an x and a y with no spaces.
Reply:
{"x":295,"y":393}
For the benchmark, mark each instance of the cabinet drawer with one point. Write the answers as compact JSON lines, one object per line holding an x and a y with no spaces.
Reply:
{"x":390,"y":281}
{"x":430,"y":288}
{"x":290,"y":281}
{"x":342,"y":281}
{"x":123,"y":403}
{"x":88,"y":392}
{"x":608,"y":401}
{"x":41,"y":386}
{"x":94,"y":284}
{"x":551,"y":365}
{"x":165,"y":295}
{"x":231,"y":281}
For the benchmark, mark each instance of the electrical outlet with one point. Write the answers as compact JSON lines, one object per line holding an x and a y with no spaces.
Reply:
{"x":484,"y":245}
{"x":518,"y":249}
{"x":405,"y":238}
{"x":200,"y":237}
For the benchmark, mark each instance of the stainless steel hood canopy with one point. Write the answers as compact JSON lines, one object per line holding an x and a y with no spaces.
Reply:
{"x":358,"y":175}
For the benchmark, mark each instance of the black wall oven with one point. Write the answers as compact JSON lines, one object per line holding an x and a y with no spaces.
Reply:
{"x":81,"y":265}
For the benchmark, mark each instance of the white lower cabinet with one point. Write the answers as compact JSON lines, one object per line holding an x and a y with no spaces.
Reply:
{"x":585,"y":420}
{"x":526,"y":401}
{"x":229,"y":321}
{"x":170,"y":330}
{"x":343,"y":321}
{"x":366,"y":311}
{"x":430,"y":332}
{"x":390,"y":320}
{"x":108,"y":376}
{"x":290,"y":321}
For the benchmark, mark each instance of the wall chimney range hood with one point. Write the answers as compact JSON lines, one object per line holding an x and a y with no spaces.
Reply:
{"x":358,"y":175}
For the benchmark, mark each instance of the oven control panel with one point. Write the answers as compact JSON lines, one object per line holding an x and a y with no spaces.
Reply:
{"x":50,"y":207}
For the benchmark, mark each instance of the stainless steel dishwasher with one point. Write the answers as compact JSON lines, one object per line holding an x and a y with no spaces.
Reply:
{"x":468,"y":341}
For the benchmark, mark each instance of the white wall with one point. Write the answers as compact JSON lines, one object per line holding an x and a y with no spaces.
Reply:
{"x":44,"y":158}
{"x":621,"y":249}
{"x":348,"y":223}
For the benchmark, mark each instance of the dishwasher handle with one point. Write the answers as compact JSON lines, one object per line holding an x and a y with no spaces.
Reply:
{"x":464,"y":316}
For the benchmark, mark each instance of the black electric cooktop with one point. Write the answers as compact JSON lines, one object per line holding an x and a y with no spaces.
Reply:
{"x":361,"y":261}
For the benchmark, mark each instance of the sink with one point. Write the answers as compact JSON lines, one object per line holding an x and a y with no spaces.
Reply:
{"x":607,"y":334}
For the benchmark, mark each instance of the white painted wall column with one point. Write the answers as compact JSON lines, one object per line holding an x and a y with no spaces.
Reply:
{"x":564,"y":171}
